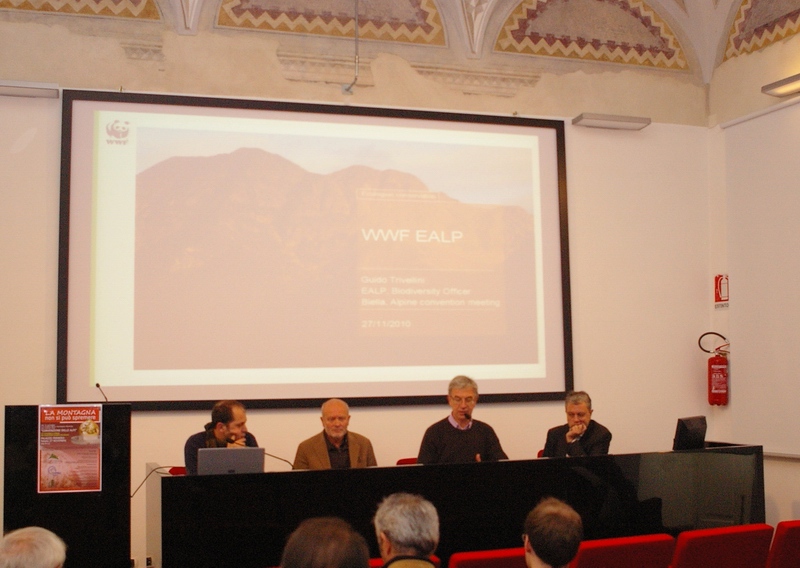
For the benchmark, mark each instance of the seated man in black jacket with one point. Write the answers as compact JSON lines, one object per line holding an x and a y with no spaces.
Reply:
{"x":227,"y":429}
{"x":580,"y":436}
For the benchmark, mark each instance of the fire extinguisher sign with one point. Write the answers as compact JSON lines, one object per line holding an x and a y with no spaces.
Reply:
{"x":720,"y":291}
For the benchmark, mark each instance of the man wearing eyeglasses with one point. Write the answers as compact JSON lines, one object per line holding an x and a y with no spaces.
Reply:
{"x":580,"y":436}
{"x":335,"y":447}
{"x":459,"y":438}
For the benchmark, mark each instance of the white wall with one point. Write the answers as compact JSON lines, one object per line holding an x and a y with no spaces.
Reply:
{"x":639,"y":243}
{"x":762,"y":169}
{"x":763,"y":207}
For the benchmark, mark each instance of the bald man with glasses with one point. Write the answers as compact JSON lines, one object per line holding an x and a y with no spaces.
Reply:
{"x":459,"y":438}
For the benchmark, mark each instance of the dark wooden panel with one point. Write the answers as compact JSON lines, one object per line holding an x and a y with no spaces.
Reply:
{"x":242,"y":521}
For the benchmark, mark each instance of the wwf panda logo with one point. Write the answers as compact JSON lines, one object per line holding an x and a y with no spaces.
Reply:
{"x":118,"y":129}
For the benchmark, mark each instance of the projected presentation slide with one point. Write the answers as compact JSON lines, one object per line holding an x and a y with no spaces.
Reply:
{"x":292,"y":252}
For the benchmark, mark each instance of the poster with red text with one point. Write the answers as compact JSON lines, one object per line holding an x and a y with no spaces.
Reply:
{"x":70,"y":448}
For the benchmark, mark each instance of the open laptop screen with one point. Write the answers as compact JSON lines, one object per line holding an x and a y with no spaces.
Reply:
{"x":215,"y":461}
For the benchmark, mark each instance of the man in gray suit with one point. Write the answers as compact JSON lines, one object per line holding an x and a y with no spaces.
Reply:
{"x":335,"y":447}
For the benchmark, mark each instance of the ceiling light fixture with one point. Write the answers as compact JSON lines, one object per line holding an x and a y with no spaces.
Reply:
{"x":784,"y":87}
{"x":612,"y":121}
{"x":24,"y":89}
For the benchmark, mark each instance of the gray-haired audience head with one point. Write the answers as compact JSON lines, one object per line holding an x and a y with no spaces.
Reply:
{"x":32,"y":547}
{"x":325,"y":542}
{"x":553,"y":533}
{"x":406,"y":525}
{"x":462,"y":382}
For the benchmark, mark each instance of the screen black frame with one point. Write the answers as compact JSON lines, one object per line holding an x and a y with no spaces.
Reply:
{"x":71,"y":96}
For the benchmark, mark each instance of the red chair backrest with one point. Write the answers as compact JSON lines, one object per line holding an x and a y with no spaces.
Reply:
{"x":785,"y":549}
{"x":406,"y":461}
{"x":500,"y":558}
{"x":740,"y":546}
{"x":644,"y":551}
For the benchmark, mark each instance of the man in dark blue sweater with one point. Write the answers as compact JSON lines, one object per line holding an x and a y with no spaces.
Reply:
{"x":459,"y":438}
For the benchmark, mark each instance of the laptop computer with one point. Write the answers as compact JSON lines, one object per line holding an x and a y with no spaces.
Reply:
{"x":690,"y":433}
{"x":216,"y":461}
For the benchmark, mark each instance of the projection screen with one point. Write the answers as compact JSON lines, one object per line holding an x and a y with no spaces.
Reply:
{"x":284,"y":253}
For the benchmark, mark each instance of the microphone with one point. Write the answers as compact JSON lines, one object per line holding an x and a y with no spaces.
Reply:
{"x":101,"y":391}
{"x":281,"y":459}
{"x":468,"y":416}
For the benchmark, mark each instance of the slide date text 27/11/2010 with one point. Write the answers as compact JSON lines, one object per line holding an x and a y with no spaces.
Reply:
{"x":385,"y":323}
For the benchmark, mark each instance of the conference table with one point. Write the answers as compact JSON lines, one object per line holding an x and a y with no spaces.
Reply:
{"x":243,"y":520}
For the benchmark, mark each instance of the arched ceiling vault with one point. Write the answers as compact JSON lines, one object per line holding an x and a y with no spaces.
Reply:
{"x":487,"y":46}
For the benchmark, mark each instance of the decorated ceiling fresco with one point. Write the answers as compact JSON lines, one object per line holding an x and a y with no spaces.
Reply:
{"x":760,"y":23}
{"x":617,"y":31}
{"x":625,"y":32}
{"x":412,"y":21}
{"x":135,"y":9}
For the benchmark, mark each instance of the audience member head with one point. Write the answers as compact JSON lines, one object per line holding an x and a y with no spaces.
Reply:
{"x":32,"y":547}
{"x":335,"y":419}
{"x":325,"y":542}
{"x":579,"y":408}
{"x":553,"y":533}
{"x":406,"y":525}
{"x":462,"y":396}
{"x":229,"y":421}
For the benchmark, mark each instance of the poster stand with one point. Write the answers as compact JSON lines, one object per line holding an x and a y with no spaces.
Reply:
{"x":95,"y":525}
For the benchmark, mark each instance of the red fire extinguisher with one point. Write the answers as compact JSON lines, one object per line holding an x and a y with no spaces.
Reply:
{"x":717,"y":371}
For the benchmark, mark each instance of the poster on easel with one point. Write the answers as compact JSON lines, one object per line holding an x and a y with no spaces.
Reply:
{"x":70,"y":448}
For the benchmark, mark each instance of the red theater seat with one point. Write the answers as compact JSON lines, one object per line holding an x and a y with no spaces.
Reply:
{"x":650,"y":551}
{"x":741,"y":546}
{"x":500,"y":558}
{"x":785,"y":549}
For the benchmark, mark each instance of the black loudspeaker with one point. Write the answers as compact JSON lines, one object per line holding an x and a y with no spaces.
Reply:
{"x":96,"y":526}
